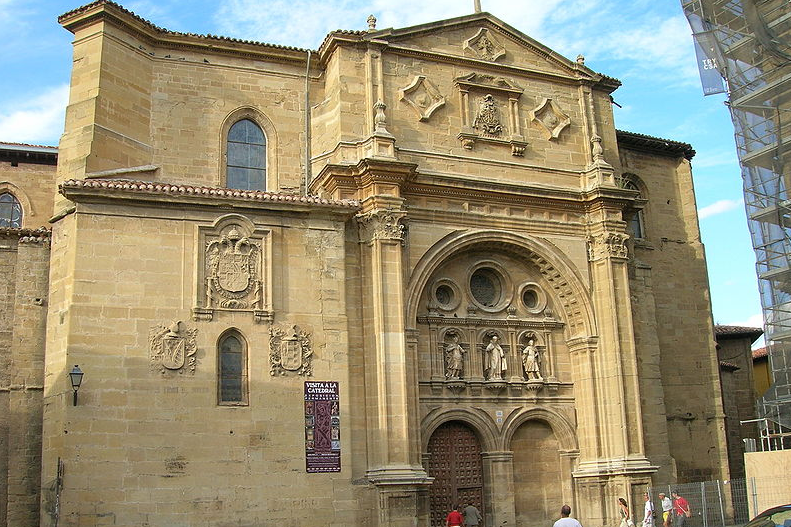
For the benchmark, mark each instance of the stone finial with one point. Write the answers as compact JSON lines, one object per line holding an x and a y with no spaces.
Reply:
{"x":380,"y":120}
{"x":477,"y":6}
{"x":581,"y":60}
{"x":371,"y":23}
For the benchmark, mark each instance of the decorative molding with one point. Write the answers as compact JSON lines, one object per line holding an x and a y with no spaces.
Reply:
{"x":608,"y":245}
{"x":290,"y":351}
{"x":550,"y":117}
{"x":172,"y":348}
{"x":423,"y":96}
{"x":484,"y":46}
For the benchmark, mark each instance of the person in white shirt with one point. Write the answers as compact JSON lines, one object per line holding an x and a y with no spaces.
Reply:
{"x":667,"y":507}
{"x":565,"y":519}
{"x":648,"y":517}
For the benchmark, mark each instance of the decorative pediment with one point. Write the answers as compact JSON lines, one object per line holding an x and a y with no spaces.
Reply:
{"x":422,"y":96}
{"x":488,"y":82}
{"x":484,"y":46}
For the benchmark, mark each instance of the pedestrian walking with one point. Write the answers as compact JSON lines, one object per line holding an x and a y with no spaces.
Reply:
{"x":454,"y":518}
{"x":565,"y":518}
{"x":472,"y":516}
{"x":681,"y":508}
{"x":626,"y":519}
{"x":667,"y":509}
{"x":648,"y":515}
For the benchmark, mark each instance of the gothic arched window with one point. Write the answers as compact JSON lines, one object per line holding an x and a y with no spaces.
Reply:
{"x":10,"y":211}
{"x":232,"y":369}
{"x":246,"y":156}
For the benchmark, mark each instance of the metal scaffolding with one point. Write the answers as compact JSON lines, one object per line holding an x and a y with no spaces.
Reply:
{"x":748,"y":44}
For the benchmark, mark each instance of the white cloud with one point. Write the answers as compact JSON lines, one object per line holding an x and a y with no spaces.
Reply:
{"x":718,"y":207}
{"x":37,"y":120}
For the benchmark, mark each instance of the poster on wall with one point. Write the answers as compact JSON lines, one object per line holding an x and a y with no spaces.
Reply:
{"x":322,"y":427}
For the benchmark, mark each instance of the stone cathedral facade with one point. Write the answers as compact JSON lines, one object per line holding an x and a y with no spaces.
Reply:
{"x":414,"y":268}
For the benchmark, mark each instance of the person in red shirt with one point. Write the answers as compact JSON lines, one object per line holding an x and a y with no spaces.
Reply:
{"x":454,"y":518}
{"x":681,"y":508}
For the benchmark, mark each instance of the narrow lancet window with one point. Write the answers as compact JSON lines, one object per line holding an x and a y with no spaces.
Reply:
{"x":232,"y":356}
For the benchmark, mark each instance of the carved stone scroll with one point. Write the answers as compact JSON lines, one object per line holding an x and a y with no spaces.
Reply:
{"x":172,"y":348}
{"x":290,"y":351}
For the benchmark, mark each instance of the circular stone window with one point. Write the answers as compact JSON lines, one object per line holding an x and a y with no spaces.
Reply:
{"x":530,"y":298}
{"x":444,"y":295}
{"x":486,"y":286}
{"x":533,"y":298}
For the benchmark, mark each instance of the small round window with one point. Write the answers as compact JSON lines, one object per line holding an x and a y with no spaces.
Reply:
{"x":486,"y":287}
{"x":530,"y":299}
{"x":533,"y":298}
{"x":444,"y":295}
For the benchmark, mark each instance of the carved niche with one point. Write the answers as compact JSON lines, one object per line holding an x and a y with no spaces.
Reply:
{"x":172,"y":348}
{"x":422,"y":96}
{"x":484,"y":46}
{"x":290,"y":351}
{"x":234,"y":270}
{"x":489,"y":109}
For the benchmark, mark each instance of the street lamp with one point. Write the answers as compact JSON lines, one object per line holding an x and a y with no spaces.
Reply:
{"x":76,"y":379}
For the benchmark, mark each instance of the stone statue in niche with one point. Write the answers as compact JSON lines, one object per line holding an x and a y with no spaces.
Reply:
{"x":454,"y":358}
{"x":173,"y":348}
{"x":488,"y":118}
{"x":232,"y":272}
{"x":531,"y":360}
{"x":495,"y":360}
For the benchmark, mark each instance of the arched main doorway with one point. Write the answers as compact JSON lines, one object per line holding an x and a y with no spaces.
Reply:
{"x":538,"y":478}
{"x":455,"y":464}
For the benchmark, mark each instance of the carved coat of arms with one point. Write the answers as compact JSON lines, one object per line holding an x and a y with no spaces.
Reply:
{"x":232,"y":272}
{"x":488,"y":118}
{"x":290,"y":351}
{"x":173,"y":348}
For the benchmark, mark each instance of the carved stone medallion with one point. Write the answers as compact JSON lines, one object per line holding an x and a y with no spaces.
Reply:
{"x":550,"y":117}
{"x":290,"y":351}
{"x":484,"y":46}
{"x":487,"y":120}
{"x":422,"y":96}
{"x":173,"y":348}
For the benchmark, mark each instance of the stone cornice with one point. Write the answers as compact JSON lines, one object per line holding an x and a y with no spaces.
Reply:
{"x":111,"y":12}
{"x":366,"y":173}
{"x":99,"y":190}
{"x":40,"y":235}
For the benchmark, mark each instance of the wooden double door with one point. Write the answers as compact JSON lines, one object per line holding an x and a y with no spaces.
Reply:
{"x":455,"y":464}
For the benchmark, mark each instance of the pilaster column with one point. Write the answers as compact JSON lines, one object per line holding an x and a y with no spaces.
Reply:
{"x":498,"y":470}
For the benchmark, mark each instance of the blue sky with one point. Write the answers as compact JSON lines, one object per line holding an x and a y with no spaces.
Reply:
{"x":644,"y":43}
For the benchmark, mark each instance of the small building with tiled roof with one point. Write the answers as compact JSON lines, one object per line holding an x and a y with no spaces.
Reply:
{"x":738,"y":392}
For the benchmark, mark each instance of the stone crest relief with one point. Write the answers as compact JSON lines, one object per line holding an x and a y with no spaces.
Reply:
{"x":234,"y":271}
{"x":422,"y":96}
{"x":484,"y":46}
{"x":290,"y":351}
{"x":173,"y":348}
{"x":487,"y":120}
